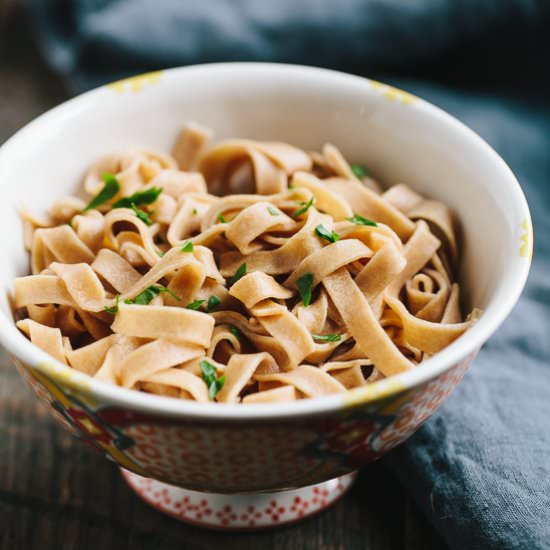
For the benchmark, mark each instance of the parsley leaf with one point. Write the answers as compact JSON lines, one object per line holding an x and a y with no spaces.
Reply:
{"x":145,"y":297}
{"x":187,"y":247}
{"x":209,"y":373}
{"x":273,"y":211}
{"x":241,"y":272}
{"x":194,"y":211}
{"x":359,"y":170}
{"x":161,"y":253}
{"x":324,"y":233}
{"x":305,"y":285}
{"x":113,"y":310}
{"x":109,"y":190}
{"x":221,"y":218}
{"x":215,"y":387}
{"x":213,"y":303}
{"x":359,"y":220}
{"x":162,"y":289}
{"x":327,"y":337}
{"x":235,"y":332}
{"x":142,"y":215}
{"x":195,"y":305}
{"x":306,"y":206}
{"x":148,"y":196}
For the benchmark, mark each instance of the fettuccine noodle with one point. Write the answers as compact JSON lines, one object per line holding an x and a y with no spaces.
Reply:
{"x":243,"y":272}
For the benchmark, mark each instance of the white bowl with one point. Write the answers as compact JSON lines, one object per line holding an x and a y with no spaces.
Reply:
{"x":399,"y":137}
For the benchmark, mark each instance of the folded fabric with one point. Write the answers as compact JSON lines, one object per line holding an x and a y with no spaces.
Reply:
{"x":94,"y":41}
{"x":480,"y":466}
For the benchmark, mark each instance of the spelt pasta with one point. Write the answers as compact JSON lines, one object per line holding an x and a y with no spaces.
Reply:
{"x":243,"y":272}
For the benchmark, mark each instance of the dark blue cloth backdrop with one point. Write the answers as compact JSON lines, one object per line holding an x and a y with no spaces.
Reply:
{"x":480,"y":466}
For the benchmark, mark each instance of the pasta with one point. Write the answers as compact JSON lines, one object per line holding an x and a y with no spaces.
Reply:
{"x":242,"y":272}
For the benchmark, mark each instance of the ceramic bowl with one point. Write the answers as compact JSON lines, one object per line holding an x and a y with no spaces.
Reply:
{"x":260,"y":465}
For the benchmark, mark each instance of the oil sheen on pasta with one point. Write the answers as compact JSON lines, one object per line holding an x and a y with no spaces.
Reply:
{"x":239,"y":272}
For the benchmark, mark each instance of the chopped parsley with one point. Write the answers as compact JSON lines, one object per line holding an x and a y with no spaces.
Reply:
{"x":141,"y":214}
{"x":148,"y":196}
{"x":327,"y":337}
{"x":209,"y":375}
{"x":194,"y":211}
{"x":241,"y":272}
{"x":113,"y":310}
{"x":235,"y":332}
{"x":273,"y":211}
{"x":359,"y":220}
{"x":187,"y":247}
{"x":305,"y":207}
{"x":195,"y":305}
{"x":213,"y":303}
{"x":221,"y":219}
{"x":145,"y":297}
{"x":305,"y":285}
{"x":359,"y":171}
{"x":324,"y":233}
{"x":161,"y":253}
{"x":110,"y":188}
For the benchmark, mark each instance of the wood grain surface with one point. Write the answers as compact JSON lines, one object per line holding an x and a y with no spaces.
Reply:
{"x":56,"y":494}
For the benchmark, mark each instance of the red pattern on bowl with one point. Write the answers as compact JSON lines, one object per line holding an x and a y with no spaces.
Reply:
{"x":241,"y":457}
{"x":242,"y":512}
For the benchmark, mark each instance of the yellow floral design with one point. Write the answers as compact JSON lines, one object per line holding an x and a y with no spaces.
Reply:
{"x":526,"y":248}
{"x":66,"y":378}
{"x":393,"y":94}
{"x":372,"y":392}
{"x":135,"y":84}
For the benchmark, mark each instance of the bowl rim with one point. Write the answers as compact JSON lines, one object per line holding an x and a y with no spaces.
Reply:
{"x":467,"y":345}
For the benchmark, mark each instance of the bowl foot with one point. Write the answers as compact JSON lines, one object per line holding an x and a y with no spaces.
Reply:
{"x":239,"y":512}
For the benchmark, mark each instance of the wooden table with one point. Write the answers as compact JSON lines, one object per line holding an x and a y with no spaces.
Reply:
{"x":56,"y":494}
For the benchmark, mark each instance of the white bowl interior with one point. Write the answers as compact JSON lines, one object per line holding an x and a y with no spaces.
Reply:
{"x":398,"y":142}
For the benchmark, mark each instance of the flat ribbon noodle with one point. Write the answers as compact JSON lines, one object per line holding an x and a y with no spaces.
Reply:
{"x":173,"y":323}
{"x":260,"y":262}
{"x":190,"y":144}
{"x":240,"y":369}
{"x":46,"y":338}
{"x":363,"y":325}
{"x":425,"y":335}
{"x":57,"y":244}
{"x":154,"y":357}
{"x":309,"y":380}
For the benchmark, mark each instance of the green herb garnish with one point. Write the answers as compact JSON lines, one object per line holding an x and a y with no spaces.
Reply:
{"x":305,"y":285}
{"x":187,"y":247}
{"x":209,"y":373}
{"x":194,"y":211}
{"x":113,"y":310}
{"x":195,"y":305}
{"x":359,"y":170}
{"x":359,"y":220}
{"x":241,"y":271}
{"x":109,"y":190}
{"x":221,"y":219}
{"x":324,"y":233}
{"x":148,"y":196}
{"x":141,"y":214}
{"x":160,"y":253}
{"x":306,"y":206}
{"x":327,"y":337}
{"x":145,"y":297}
{"x":213,"y":303}
{"x":273,"y":211}
{"x":235,"y":332}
